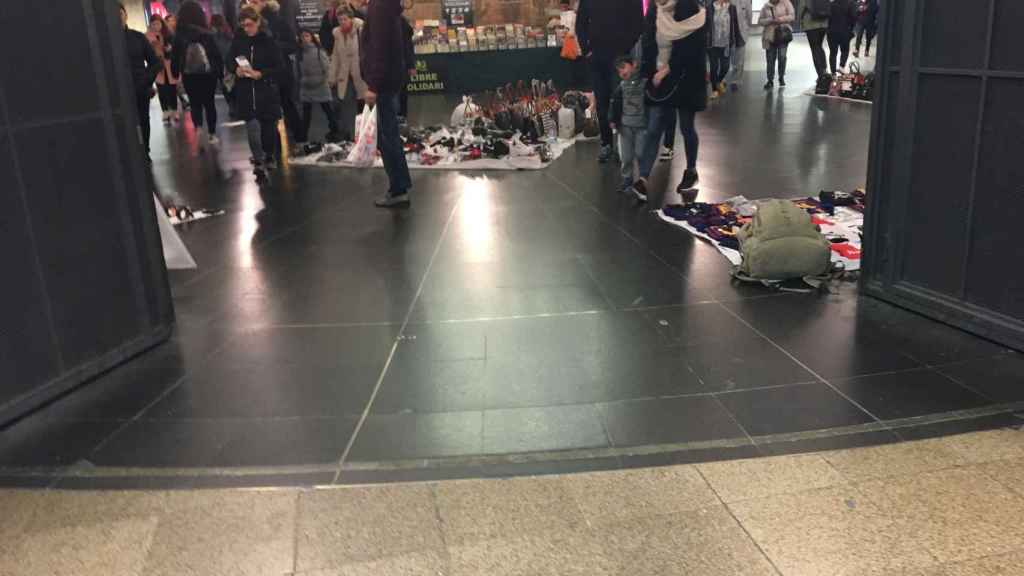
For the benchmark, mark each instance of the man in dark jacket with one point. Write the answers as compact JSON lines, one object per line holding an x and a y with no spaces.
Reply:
{"x":383,"y":62}
{"x":144,"y":67}
{"x":607,"y":29}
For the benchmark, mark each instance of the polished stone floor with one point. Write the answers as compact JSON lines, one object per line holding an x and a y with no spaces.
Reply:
{"x":509,"y":323}
{"x":942,"y":507}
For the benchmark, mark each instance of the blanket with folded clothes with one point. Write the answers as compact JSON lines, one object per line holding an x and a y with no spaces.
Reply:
{"x":839,"y":216}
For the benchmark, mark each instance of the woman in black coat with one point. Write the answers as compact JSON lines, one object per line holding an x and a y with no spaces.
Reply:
{"x":840,"y":32}
{"x":676,"y":64}
{"x":256,"y":61}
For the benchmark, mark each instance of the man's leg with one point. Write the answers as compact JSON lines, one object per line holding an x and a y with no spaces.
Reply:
{"x":142,"y":103}
{"x":816,"y":39}
{"x":601,"y":72}
{"x":389,"y":142}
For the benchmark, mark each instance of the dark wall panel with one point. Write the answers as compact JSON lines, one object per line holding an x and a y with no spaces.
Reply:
{"x":1007,"y":40}
{"x":941,"y":181}
{"x":946,"y":24}
{"x":999,"y":204}
{"x":85,"y":286}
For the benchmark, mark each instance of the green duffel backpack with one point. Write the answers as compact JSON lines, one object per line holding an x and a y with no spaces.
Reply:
{"x":781,"y":243}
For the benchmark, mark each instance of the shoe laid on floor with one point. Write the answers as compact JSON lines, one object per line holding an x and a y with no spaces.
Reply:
{"x":605,"y":155}
{"x":690,"y":180}
{"x":666,"y":153}
{"x":640,"y":190}
{"x":769,"y":85}
{"x":389,"y":201}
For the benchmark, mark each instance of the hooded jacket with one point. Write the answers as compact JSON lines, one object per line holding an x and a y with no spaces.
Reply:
{"x":257,"y":99}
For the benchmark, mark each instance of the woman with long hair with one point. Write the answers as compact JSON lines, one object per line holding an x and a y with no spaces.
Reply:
{"x":675,"y":61}
{"x":256,"y":61}
{"x":166,"y":81}
{"x":313,"y":89}
{"x":199,"y":62}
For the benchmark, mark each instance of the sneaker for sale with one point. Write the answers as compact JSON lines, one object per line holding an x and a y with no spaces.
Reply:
{"x":690,"y":180}
{"x":389,"y":201}
{"x":605,"y":155}
{"x":640,"y":190}
{"x":666,"y":153}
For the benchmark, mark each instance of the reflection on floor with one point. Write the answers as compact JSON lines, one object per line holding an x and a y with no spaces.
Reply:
{"x":506,"y":324}
{"x":943,"y":507}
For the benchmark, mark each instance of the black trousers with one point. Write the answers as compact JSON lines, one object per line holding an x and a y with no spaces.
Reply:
{"x":142,"y":104}
{"x":604,"y":79}
{"x":838,"y":46}
{"x":816,"y":39}
{"x":292,"y":121}
{"x":201,"y":89}
{"x":168,"y":94}
{"x":307,"y":117}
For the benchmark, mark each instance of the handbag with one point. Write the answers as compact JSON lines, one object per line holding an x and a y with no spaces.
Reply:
{"x":782,"y":34}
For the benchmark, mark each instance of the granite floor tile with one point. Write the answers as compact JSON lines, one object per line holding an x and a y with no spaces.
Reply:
{"x":108,"y":547}
{"x":621,"y":495}
{"x":1009,"y":473}
{"x":999,"y":565}
{"x":474,"y":511}
{"x":337,"y":527}
{"x":987,"y":446}
{"x":554,"y":552}
{"x":902,"y":459}
{"x":413,"y":564}
{"x":745,"y":479}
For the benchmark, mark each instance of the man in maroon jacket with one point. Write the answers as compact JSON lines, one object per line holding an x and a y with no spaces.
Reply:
{"x":385,"y":70}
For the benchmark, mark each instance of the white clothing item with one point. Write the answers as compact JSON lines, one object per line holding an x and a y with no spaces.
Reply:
{"x":668,"y":29}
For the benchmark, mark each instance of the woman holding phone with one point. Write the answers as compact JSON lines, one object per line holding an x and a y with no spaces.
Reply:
{"x":256,"y":61}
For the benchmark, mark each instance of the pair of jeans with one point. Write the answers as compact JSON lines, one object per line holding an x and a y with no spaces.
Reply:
{"x":777,"y":55}
{"x":201,"y":89}
{"x":632,"y":141}
{"x":264,"y":140}
{"x":605,"y":79}
{"x":659,"y":119}
{"x":719,"y":58}
{"x":307,"y":117}
{"x":861,"y":32}
{"x":389,"y":142}
{"x":816,"y":39}
{"x":838,"y":46}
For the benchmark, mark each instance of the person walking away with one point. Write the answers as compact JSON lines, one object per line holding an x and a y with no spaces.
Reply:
{"x":840,"y":33}
{"x":628,"y":117}
{"x":198,"y":61}
{"x":675,"y":65}
{"x":257,"y":62}
{"x":605,"y":30}
{"x":344,"y":76}
{"x":166,"y":82}
{"x":223,"y":36}
{"x":313,"y":88}
{"x":814,"y":21}
{"x":283,"y":32}
{"x":724,"y":39}
{"x":327,"y":25}
{"x":738,"y":60}
{"x":775,"y":14}
{"x":383,"y":64}
{"x":144,"y":65}
{"x":867,"y":25}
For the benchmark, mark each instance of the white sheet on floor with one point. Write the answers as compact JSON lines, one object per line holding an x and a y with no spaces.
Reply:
{"x":506,"y":163}
{"x":176,"y":255}
{"x":846,"y":223}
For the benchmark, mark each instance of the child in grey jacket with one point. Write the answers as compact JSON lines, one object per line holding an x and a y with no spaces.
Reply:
{"x":629,"y":118}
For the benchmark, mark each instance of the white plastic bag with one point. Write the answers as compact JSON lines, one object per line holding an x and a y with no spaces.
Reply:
{"x":465,"y":113}
{"x":364,"y":153}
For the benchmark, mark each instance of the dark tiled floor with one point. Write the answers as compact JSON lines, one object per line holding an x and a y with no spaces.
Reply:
{"x":503,"y":316}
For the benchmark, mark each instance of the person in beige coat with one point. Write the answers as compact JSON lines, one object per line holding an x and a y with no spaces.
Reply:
{"x":344,"y":75}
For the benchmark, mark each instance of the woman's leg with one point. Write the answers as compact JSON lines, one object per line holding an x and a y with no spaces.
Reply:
{"x":270,"y":138}
{"x":210,"y":102}
{"x":871,"y":36}
{"x":844,"y":52}
{"x":688,"y":128}
{"x":657,"y":118}
{"x":833,"y":52}
{"x":194,"y":92}
{"x":670,"y":132}
{"x":782,"y":51}
{"x":307,"y":116}
{"x":772,"y":55}
{"x":253,"y":130}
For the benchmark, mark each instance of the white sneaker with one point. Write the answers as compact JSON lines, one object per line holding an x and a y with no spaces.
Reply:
{"x":214,"y":141}
{"x":666,"y":154}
